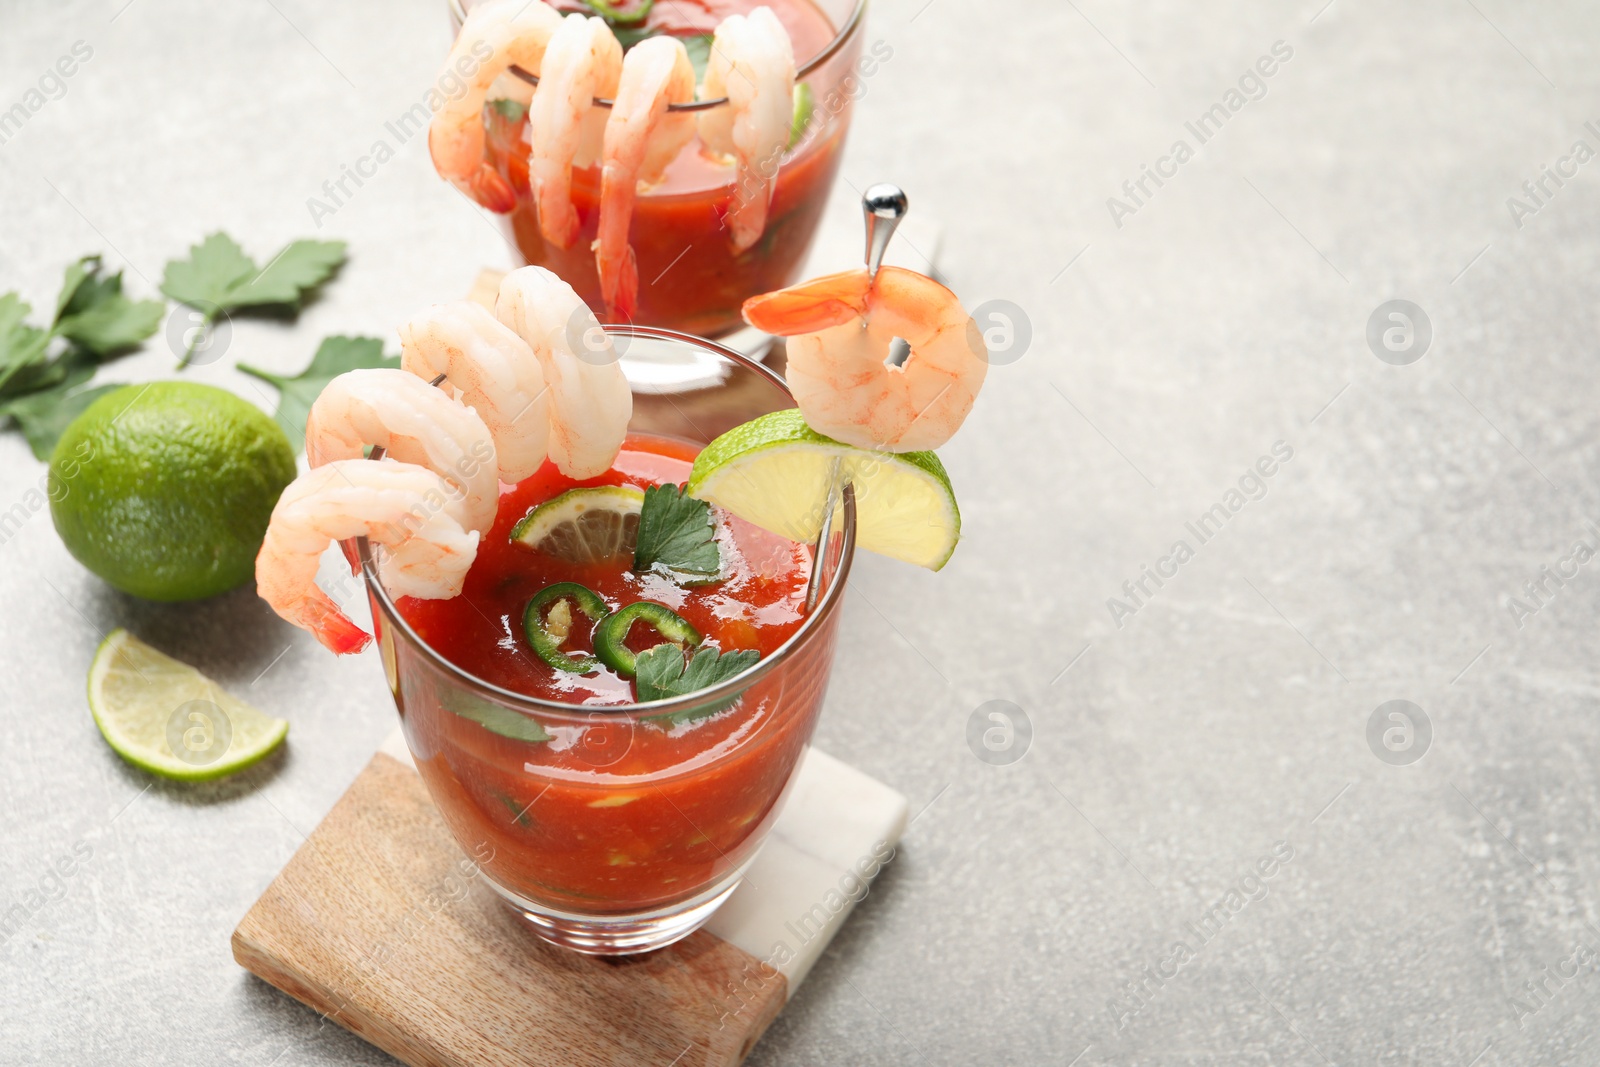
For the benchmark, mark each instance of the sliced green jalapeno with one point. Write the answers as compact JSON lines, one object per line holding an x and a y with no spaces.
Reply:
{"x":547,"y":635}
{"x":611,"y":633}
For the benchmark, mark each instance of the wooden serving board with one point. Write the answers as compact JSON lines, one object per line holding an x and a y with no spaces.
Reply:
{"x":382,"y":924}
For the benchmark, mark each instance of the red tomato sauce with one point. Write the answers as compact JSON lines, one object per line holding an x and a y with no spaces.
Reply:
{"x":615,"y":813}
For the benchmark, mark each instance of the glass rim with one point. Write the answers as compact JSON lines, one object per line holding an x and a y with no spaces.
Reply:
{"x":730,"y":689}
{"x":458,"y":15}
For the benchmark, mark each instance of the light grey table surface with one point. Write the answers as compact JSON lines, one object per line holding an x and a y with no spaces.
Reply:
{"x":1228,"y":713}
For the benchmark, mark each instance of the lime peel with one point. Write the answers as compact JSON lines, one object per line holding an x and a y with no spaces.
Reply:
{"x":773,"y":472}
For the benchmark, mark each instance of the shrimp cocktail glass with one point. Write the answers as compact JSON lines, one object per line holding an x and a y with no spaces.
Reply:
{"x":608,"y":620}
{"x":668,"y":160}
{"x":612,"y":812}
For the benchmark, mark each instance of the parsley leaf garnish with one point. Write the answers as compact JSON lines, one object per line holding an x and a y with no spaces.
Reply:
{"x":675,"y":533}
{"x":621,"y":12}
{"x":43,"y":415}
{"x":699,"y":48}
{"x":495,"y":718}
{"x":22,"y":347}
{"x":92,"y":311}
{"x":218,"y":277}
{"x":40,"y":382}
{"x":664,"y":671}
{"x":334,"y":356}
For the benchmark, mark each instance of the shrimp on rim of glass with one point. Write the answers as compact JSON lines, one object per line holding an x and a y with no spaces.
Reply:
{"x":413,"y":422}
{"x":415,"y":515}
{"x":590,"y":401}
{"x":565,"y":129}
{"x":841,"y":330}
{"x":641,"y":138}
{"x":752,"y":64}
{"x":496,"y":35}
{"x":491,"y":370}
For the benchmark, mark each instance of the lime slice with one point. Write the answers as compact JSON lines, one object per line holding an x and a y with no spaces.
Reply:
{"x":584,"y":525}
{"x":805,"y":104}
{"x":773,"y":471}
{"x":170,"y":719}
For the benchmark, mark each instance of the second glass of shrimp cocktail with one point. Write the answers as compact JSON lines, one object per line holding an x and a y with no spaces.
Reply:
{"x":668,"y":160}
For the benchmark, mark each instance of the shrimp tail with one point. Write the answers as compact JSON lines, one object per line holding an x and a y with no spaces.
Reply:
{"x":831,"y":300}
{"x":558,"y":219}
{"x":333,"y":628}
{"x":747,"y":213}
{"x":619,"y":283}
{"x":489,"y":187}
{"x":484,"y":185}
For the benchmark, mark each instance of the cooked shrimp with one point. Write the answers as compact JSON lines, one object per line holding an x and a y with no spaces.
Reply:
{"x":495,"y":35}
{"x":491,"y":370}
{"x":409,"y":510}
{"x":841,"y":328}
{"x":583,"y":61}
{"x":641,"y":138}
{"x":752,"y":64}
{"x":590,"y":402}
{"x":414,"y":423}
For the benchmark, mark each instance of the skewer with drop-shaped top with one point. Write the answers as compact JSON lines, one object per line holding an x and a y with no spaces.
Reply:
{"x":882,"y":207}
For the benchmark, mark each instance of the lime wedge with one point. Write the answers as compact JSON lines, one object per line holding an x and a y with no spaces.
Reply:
{"x":805,"y":104}
{"x":773,"y":471}
{"x":584,"y":525}
{"x":170,"y":719}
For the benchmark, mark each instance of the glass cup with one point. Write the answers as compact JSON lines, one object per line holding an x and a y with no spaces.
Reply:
{"x":690,"y":276}
{"x":620,"y":829}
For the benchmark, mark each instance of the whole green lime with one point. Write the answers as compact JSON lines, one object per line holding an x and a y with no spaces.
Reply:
{"x":164,"y":490}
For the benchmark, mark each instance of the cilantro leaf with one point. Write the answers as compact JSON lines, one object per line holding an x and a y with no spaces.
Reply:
{"x":43,"y":415}
{"x":698,"y":45}
{"x":218,"y":277}
{"x":69,"y":301}
{"x":74,"y":363}
{"x":22,"y":347}
{"x":214,"y":268}
{"x":628,"y":36}
{"x":42,"y":391}
{"x":663,"y":672}
{"x":699,"y":49}
{"x":495,"y":718}
{"x":675,"y":533}
{"x":621,"y":12}
{"x":92,"y":311}
{"x":510,"y":110}
{"x":293,"y":272}
{"x":334,"y":356}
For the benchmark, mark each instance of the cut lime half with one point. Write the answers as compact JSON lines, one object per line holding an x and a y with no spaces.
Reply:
{"x":169,"y":719}
{"x":584,"y":525}
{"x":773,"y":471}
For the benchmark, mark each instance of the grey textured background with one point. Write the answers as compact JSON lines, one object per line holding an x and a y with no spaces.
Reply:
{"x":1228,"y":714}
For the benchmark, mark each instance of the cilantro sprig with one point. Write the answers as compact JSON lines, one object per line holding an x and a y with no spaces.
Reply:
{"x":676,"y":534}
{"x":334,"y":356}
{"x":218,"y":278}
{"x":43,"y":368}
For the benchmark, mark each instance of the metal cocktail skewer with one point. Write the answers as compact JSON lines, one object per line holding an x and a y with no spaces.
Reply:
{"x":882,"y":207}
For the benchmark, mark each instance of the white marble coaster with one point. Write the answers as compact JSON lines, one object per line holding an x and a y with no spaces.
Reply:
{"x":836,"y":831}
